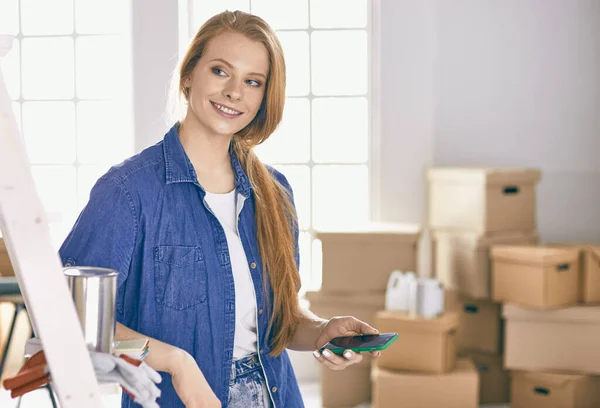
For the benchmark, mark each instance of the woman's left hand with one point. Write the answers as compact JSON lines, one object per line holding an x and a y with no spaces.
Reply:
{"x":342,"y":326}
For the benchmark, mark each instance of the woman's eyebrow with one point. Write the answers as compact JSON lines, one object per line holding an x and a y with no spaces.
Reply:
{"x":232,"y":67}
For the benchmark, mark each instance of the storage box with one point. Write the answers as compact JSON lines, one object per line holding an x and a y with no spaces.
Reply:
{"x":362,"y":306}
{"x":483,"y":200}
{"x":462,"y":258}
{"x":348,"y":387}
{"x":554,"y":390}
{"x":458,"y":389}
{"x":480,"y":327}
{"x":589,"y":271}
{"x":425,"y":345}
{"x":564,"y":339}
{"x":494,"y":380}
{"x":6,"y":268}
{"x":361,"y":260}
{"x":538,"y":277}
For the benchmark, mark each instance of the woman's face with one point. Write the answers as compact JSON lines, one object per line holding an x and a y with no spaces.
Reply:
{"x":228,"y":83}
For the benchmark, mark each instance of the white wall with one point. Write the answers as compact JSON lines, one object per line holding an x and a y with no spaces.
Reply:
{"x":515,"y":83}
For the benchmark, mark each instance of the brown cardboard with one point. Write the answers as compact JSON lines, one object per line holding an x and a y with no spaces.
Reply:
{"x":6,"y":268}
{"x":563,"y":339}
{"x":458,"y":389}
{"x":538,"y":277}
{"x":348,"y":387}
{"x":462,"y":258}
{"x":362,"y":306}
{"x":554,"y":390}
{"x":589,"y":270}
{"x":425,"y":345}
{"x":362,"y":259}
{"x":480,"y":327}
{"x":494,"y":380}
{"x":483,"y":200}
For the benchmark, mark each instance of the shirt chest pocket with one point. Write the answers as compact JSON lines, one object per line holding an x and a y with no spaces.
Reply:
{"x":179,"y":276}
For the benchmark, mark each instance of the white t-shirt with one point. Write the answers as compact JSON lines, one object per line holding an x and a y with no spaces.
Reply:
{"x":224,"y":208}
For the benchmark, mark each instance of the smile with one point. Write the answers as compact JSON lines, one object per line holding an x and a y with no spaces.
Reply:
{"x":226,"y":110}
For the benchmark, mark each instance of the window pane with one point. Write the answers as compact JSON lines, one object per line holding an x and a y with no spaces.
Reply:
{"x":57,"y":187}
{"x":326,"y":13}
{"x":304,"y":244}
{"x":340,"y":196}
{"x":48,"y":68}
{"x":9,"y":17}
{"x":299,"y":179}
{"x":86,"y":179}
{"x":337,"y":123}
{"x":291,"y":141}
{"x":101,"y":17}
{"x":49,"y":131}
{"x":103,"y":133}
{"x":43,"y":17}
{"x":339,"y":62}
{"x":289,"y":14}
{"x":11,"y":70}
{"x":203,"y":10}
{"x":295,"y":48}
{"x":100,"y":67}
{"x":17,"y":111}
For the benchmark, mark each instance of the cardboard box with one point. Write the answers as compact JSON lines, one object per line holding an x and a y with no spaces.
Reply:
{"x":564,"y":339}
{"x":494,"y":380}
{"x":424,"y":345}
{"x":480,"y":327}
{"x":462,"y":258}
{"x":554,"y":390}
{"x":483,"y":200}
{"x":589,"y":271}
{"x":6,"y":268}
{"x":362,"y":306}
{"x":348,"y":387}
{"x":538,"y":277}
{"x":361,"y":260}
{"x":458,"y":389}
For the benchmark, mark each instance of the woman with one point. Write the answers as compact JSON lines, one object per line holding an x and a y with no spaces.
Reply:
{"x":204,"y":236}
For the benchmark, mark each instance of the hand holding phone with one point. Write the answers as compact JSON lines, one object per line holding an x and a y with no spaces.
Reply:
{"x":360,"y":343}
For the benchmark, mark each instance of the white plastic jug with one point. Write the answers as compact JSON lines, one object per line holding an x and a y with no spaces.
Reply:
{"x":396,"y":295}
{"x":430,"y":298}
{"x":412,"y":293}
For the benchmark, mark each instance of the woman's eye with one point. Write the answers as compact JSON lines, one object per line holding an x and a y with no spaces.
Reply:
{"x":252,"y":82}
{"x":218,"y":71}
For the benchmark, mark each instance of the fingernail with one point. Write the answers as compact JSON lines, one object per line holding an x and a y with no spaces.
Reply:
{"x":326,"y":353}
{"x":348,"y":355}
{"x":316,"y":354}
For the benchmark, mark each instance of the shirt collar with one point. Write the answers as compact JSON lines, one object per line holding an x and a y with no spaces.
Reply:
{"x":179,"y":168}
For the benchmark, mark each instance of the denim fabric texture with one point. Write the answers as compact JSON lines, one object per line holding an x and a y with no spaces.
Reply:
{"x":147,"y":219}
{"x":248,"y":387}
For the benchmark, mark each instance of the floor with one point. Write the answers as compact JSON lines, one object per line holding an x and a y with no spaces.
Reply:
{"x":39,"y":399}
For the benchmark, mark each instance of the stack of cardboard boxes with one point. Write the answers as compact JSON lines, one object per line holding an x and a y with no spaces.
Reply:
{"x":470,"y":211}
{"x":552,"y":336}
{"x":356,"y":268}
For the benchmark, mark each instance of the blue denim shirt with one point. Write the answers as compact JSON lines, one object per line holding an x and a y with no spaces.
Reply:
{"x":147,"y":219}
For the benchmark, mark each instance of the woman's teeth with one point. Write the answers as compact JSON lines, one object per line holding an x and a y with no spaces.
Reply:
{"x":226,"y":110}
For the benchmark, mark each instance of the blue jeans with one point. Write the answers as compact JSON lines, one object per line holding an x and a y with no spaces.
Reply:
{"x":247,"y":387}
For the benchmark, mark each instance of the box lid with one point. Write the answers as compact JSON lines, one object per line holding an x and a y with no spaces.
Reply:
{"x":534,"y":255}
{"x":371,"y":232}
{"x":485,"y":241}
{"x":464,"y":366}
{"x":576,"y":314}
{"x":373,"y":300}
{"x":481,"y":175}
{"x":544,"y":379}
{"x":445,"y":323}
{"x":592,"y":249}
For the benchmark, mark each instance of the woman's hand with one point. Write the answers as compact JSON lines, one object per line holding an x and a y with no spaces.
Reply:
{"x":342,"y":326}
{"x":190,"y":384}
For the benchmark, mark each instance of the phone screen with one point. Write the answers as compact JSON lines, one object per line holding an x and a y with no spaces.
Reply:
{"x":363,"y":341}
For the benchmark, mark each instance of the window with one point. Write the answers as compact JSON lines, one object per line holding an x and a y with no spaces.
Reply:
{"x":68,"y":74}
{"x":323,"y":143}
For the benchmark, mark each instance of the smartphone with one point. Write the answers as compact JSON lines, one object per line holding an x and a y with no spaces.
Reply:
{"x":360,"y":343}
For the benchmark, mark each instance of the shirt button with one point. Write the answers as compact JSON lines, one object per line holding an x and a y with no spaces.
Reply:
{"x":68,"y":264}
{"x":274,"y":389}
{"x":260,"y":311}
{"x":253,"y":265}
{"x":262,"y":351}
